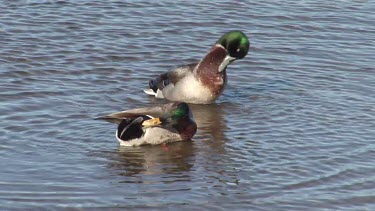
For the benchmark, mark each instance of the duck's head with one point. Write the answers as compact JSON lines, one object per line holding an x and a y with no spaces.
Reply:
{"x":174,"y":114}
{"x":178,"y":116}
{"x":236,"y":44}
{"x":178,"y":112}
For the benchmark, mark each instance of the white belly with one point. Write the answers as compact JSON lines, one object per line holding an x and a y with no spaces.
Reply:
{"x":153,"y":136}
{"x":189,"y":90}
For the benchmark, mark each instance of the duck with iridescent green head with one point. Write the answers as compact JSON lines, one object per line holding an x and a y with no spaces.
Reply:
{"x":203,"y":82}
{"x":154,"y":125}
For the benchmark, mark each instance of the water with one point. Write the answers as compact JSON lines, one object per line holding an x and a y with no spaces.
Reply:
{"x":294,"y":129}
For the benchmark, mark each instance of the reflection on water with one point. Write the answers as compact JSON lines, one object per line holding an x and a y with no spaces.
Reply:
{"x":210,"y":120}
{"x":152,"y":160}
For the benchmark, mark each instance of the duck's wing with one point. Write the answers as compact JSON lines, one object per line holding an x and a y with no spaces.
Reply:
{"x":129,"y":129}
{"x":169,"y":79}
{"x":155,"y":111}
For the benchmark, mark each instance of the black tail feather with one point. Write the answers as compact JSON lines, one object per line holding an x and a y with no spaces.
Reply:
{"x":153,"y":85}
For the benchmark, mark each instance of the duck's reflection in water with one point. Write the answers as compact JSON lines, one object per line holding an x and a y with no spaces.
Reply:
{"x":153,"y":160}
{"x":210,"y":121}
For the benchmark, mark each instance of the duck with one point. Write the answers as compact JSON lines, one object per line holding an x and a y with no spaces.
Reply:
{"x":202,"y":82}
{"x":162,"y":124}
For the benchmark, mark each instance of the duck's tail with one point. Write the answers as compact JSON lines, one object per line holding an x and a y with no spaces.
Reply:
{"x":153,"y":88}
{"x":149,"y":92}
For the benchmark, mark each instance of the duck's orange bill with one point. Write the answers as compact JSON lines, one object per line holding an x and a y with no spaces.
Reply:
{"x":151,"y":122}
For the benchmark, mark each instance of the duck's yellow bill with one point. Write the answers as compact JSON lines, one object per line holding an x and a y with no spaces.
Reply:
{"x":151,"y":122}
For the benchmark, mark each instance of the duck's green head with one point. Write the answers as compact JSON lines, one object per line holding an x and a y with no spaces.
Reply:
{"x":175,"y":114}
{"x":181,"y":111}
{"x":178,"y":112}
{"x":236,"y":43}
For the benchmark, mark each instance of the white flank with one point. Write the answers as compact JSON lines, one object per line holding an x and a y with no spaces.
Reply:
{"x":153,"y":136}
{"x":189,"y":90}
{"x":159,"y":94}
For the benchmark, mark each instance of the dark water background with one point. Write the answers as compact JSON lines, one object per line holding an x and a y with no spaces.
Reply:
{"x":294,"y":130}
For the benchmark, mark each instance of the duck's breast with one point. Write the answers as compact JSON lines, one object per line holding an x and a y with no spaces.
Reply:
{"x":190,"y":90}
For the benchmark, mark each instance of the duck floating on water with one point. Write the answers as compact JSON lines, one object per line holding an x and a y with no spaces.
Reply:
{"x":203,"y":82}
{"x":154,"y":125}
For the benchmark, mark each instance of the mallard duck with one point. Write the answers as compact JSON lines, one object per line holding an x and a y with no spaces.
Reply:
{"x":154,"y":125}
{"x":203,"y":82}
